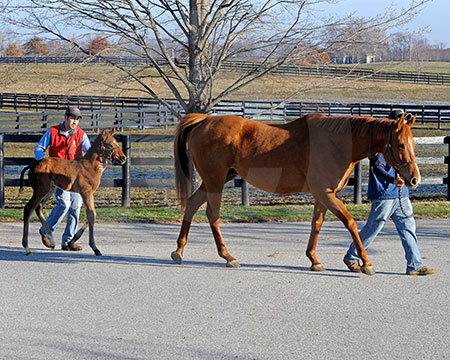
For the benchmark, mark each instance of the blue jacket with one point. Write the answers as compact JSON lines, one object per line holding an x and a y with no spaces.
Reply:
{"x":381,"y":180}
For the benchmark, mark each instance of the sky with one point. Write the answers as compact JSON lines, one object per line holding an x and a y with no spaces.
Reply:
{"x":435,"y":15}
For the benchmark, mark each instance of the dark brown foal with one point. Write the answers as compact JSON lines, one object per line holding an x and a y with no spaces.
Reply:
{"x":81,"y":176}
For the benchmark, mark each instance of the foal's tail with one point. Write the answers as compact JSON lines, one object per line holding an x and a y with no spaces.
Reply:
{"x":183,"y":171}
{"x":22,"y":174}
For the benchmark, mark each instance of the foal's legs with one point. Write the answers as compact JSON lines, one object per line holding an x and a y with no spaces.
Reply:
{"x":27,"y":211}
{"x":41,"y":217}
{"x":88,"y":200}
{"x":316,"y":225}
{"x":193,"y":203}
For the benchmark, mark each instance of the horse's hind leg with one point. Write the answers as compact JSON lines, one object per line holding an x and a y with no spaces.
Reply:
{"x":49,"y":233}
{"x":194,"y":202}
{"x":316,"y":225}
{"x":27,"y":211}
{"x":213,"y":213}
{"x":41,"y":217}
{"x":80,"y":232}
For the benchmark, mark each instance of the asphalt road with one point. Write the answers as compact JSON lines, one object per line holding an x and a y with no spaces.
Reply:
{"x":135,"y":303}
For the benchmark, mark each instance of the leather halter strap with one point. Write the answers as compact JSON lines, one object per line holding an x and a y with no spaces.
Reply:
{"x":398,"y":165}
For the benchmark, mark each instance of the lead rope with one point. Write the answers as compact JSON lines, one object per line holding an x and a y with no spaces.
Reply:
{"x":401,"y":205}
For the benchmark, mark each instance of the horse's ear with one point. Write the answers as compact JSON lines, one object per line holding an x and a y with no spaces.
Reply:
{"x":409,"y":119}
{"x":104,"y":132}
{"x":113,"y":131}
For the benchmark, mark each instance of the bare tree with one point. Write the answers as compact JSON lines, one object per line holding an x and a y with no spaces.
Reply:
{"x":208,"y":33}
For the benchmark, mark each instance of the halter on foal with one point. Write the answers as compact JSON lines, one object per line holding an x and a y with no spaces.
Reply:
{"x":313,"y":154}
{"x":81,"y":176}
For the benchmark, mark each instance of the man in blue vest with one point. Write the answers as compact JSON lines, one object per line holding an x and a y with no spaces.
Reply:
{"x":64,"y":141}
{"x":384,"y":189}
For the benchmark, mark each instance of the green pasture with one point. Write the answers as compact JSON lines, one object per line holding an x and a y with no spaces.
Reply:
{"x":161,"y":205}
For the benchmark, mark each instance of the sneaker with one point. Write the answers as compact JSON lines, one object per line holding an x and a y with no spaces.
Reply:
{"x":424,"y":270}
{"x":352,"y":266}
{"x":46,"y":240}
{"x":71,"y":247}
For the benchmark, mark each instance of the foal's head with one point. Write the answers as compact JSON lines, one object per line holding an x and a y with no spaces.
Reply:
{"x":400,"y":151}
{"x":110,"y":148}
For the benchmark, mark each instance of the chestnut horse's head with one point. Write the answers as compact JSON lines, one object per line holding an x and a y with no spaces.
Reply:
{"x":400,"y":151}
{"x":111,"y":148}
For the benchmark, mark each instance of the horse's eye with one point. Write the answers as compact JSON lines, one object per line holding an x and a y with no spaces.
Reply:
{"x":401,"y":146}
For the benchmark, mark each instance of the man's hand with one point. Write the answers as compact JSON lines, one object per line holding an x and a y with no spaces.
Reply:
{"x":399,"y":182}
{"x":102,"y":167}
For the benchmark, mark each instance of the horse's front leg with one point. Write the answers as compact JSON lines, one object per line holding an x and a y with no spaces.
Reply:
{"x":337,"y":207}
{"x":316,"y":225}
{"x":88,"y":200}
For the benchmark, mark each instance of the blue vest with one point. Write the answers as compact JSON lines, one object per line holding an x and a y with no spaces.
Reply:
{"x":381,"y":177}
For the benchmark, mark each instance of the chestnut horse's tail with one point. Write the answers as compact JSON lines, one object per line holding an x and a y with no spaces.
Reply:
{"x":183,"y":171}
{"x":22,"y":174}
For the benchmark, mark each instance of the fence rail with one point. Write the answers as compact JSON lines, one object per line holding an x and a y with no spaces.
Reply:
{"x":126,"y":181}
{"x":33,"y":110}
{"x":252,"y":66}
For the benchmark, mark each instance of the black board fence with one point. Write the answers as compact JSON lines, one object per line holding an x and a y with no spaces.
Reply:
{"x":32,"y":111}
{"x":241,"y":66}
{"x":125,"y":182}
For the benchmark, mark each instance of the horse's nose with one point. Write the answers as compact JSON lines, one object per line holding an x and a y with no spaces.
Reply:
{"x":414,"y":182}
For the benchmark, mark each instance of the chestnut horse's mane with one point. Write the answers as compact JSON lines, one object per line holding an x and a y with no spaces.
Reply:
{"x":358,"y":125}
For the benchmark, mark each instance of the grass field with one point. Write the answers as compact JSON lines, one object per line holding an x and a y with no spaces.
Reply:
{"x":78,"y":79}
{"x":160,"y":205}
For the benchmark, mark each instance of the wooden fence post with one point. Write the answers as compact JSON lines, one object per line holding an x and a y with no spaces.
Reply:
{"x":447,"y":161}
{"x":357,"y":190}
{"x":2,"y":173}
{"x":244,"y":193}
{"x":126,"y":170}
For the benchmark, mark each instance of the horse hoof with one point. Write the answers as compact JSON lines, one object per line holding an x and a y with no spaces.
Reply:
{"x":28,"y":253}
{"x":97,"y":253}
{"x":317,"y":267}
{"x":368,"y":270}
{"x":233,"y":264}
{"x":176,"y":257}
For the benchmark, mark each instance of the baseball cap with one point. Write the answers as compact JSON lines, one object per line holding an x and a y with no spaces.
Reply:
{"x":73,"y":112}
{"x":395,"y":114}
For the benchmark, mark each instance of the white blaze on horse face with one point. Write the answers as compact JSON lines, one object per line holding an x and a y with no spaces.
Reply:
{"x":411,"y":146}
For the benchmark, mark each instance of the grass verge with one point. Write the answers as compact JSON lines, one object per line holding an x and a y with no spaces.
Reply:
{"x":160,"y":206}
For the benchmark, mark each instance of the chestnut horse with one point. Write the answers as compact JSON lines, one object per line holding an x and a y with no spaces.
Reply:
{"x":81,"y":176}
{"x":313,"y":154}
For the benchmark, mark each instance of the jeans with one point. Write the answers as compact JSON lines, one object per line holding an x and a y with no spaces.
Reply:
{"x":380,"y":211}
{"x":68,"y":203}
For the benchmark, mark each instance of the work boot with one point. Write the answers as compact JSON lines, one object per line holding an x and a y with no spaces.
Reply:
{"x":424,"y":270}
{"x":352,"y":266}
{"x":46,"y":240}
{"x":71,"y":247}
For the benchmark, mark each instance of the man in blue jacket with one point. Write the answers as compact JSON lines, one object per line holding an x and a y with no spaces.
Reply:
{"x":384,"y":188}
